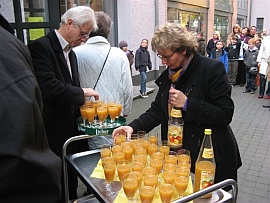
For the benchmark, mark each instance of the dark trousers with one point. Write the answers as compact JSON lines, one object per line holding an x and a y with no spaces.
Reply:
{"x":241,"y":73}
{"x":250,"y":81}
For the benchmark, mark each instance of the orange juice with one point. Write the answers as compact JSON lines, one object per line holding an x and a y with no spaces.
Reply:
{"x":145,"y":144}
{"x":183,"y":158}
{"x":169,"y":176}
{"x":119,"y":156}
{"x":141,"y":150}
{"x":128,"y":151}
{"x":107,"y":160}
{"x":119,"y":107}
{"x":130,"y":187}
{"x":181,"y":183}
{"x":83,"y":112}
{"x":149,"y":171}
{"x":122,"y":169}
{"x":165,"y":150}
{"x":169,"y":167}
{"x":184,"y":164}
{"x":139,"y":176}
{"x":147,"y":194}
{"x":113,"y":110}
{"x":140,"y":158}
{"x":90,"y":112}
{"x":105,"y":152}
{"x":153,"y":139}
{"x":102,"y":113}
{"x":116,"y":148}
{"x":157,"y":155}
{"x":152,"y":148}
{"x":137,"y":166}
{"x":126,"y":144}
{"x":157,"y":164}
{"x":183,"y":171}
{"x":150,"y":180}
{"x":170,"y":159}
{"x":204,"y":176}
{"x":109,"y":171}
{"x":166,"y":192}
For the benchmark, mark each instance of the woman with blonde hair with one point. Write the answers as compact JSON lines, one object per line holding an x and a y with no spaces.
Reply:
{"x":199,"y":86}
{"x":236,"y":31}
{"x":212,"y":43}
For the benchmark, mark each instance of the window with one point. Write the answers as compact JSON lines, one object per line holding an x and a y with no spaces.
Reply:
{"x":259,"y":24}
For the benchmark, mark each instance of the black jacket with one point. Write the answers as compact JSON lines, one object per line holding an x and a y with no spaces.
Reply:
{"x":202,"y":46}
{"x":209,"y":106}
{"x":233,"y":50}
{"x":142,"y":59}
{"x":30,"y":171}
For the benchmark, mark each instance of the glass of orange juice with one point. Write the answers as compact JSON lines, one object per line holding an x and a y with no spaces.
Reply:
{"x":183,"y":155}
{"x":171,"y":158}
{"x":107,"y":160}
{"x":151,"y":180}
{"x":130,"y":185}
{"x":181,"y":184}
{"x":105,"y":150}
{"x":152,"y":148}
{"x":153,"y":137}
{"x":123,"y":167}
{"x":157,"y":164}
{"x":164,"y":147}
{"x":119,"y":107}
{"x":113,"y":111}
{"x":102,"y":114}
{"x":147,"y":193}
{"x":148,"y":170}
{"x":90,"y":112}
{"x":109,"y":171}
{"x":119,"y":156}
{"x":169,"y":176}
{"x":83,"y":114}
{"x":166,"y":191}
{"x":128,"y":151}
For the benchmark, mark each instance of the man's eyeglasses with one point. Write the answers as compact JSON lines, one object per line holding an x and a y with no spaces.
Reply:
{"x":82,"y":33}
{"x":165,"y":57}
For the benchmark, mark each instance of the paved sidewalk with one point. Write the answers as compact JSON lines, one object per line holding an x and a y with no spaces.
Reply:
{"x":251,"y":126}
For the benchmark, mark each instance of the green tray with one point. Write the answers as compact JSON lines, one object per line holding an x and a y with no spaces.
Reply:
{"x":97,"y":130}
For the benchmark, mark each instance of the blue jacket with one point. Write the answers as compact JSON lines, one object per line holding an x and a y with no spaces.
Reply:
{"x":223,"y":58}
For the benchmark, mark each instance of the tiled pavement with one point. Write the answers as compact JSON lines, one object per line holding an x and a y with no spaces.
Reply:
{"x":251,"y":126}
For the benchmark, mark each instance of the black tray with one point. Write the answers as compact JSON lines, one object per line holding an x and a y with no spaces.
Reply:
{"x":97,"y":130}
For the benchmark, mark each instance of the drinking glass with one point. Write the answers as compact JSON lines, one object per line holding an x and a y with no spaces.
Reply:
{"x":119,"y":107}
{"x":113,"y":110}
{"x":90,"y":112}
{"x":181,"y":184}
{"x":83,"y":114}
{"x":153,"y":137}
{"x":118,"y":156}
{"x":152,"y":148}
{"x":128,"y":151}
{"x":171,"y":158}
{"x":158,"y":155}
{"x":109,"y":171}
{"x":105,"y":150}
{"x":102,"y":114}
{"x":151,"y":180}
{"x":147,"y":193}
{"x":130,"y":185}
{"x":123,"y":167}
{"x":148,"y":170}
{"x":169,"y":176}
{"x":166,"y":191}
{"x":183,"y":155}
{"x":107,"y":160}
{"x":164,"y":148}
{"x":157,"y":164}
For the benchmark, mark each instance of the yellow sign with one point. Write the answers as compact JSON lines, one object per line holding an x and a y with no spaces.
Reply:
{"x":36,"y":32}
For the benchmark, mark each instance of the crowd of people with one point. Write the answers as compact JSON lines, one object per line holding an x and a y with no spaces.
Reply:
{"x":241,"y":55}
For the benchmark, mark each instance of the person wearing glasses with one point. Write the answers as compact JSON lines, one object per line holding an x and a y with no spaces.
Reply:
{"x":56,"y":70}
{"x":199,"y":86}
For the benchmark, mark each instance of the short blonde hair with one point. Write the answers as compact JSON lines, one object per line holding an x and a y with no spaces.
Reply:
{"x":174,"y":37}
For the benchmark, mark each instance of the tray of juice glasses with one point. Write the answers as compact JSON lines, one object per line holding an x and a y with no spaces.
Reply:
{"x":97,"y":129}
{"x":90,"y":170}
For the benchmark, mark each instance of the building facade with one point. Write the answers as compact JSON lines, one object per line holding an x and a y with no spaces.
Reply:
{"x":134,"y":20}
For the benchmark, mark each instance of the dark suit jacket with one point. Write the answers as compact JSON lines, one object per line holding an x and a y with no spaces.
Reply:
{"x":61,"y":94}
{"x":30,"y":171}
{"x":209,"y":106}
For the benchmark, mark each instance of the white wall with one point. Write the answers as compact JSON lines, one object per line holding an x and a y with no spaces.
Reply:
{"x":260,"y":9}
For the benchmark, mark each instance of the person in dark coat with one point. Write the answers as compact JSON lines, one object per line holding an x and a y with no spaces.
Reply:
{"x":56,"y":69}
{"x":200,"y":87}
{"x":201,"y":43}
{"x":30,"y":171}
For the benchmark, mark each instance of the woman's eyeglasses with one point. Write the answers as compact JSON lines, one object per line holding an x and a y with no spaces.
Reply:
{"x":165,"y":57}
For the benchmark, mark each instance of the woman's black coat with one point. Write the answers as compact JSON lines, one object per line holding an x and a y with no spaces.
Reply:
{"x":209,"y":105}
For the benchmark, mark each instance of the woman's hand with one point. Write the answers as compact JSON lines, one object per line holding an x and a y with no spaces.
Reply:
{"x":177,"y":98}
{"x":123,"y":130}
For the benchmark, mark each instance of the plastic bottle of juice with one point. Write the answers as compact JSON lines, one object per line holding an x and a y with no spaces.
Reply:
{"x":205,"y":165}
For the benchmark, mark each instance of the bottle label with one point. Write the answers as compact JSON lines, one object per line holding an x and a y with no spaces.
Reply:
{"x":208,"y":153}
{"x":176,"y":113}
{"x":175,"y":135}
{"x":207,"y":179}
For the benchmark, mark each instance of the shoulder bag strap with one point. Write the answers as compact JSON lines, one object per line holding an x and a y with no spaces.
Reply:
{"x":102,"y":68}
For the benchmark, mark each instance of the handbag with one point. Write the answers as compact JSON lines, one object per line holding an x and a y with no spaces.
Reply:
{"x":102,"y":68}
{"x":253,"y":70}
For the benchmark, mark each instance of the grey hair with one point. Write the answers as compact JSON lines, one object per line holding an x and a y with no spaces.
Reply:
{"x":174,"y":37}
{"x":104,"y":25}
{"x":80,"y":15}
